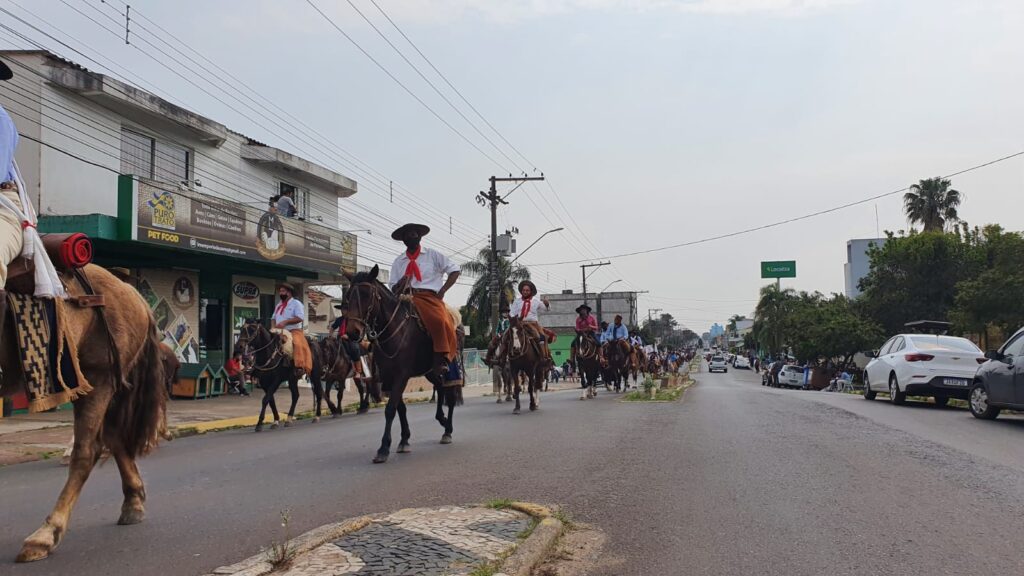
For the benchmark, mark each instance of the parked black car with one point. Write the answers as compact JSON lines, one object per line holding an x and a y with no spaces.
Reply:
{"x":999,"y":383}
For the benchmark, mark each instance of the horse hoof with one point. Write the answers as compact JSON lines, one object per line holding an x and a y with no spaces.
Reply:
{"x":132,"y":516}
{"x":404,"y":449}
{"x":380,"y":458}
{"x":446,"y":439}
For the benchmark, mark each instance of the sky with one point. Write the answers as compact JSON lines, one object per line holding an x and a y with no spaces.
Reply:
{"x":655,"y":122}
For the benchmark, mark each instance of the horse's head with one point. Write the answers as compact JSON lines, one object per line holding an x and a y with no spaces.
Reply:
{"x":362,"y":301}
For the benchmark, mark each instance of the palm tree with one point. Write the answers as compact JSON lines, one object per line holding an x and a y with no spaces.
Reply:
{"x":932,"y":203}
{"x":509,"y":276}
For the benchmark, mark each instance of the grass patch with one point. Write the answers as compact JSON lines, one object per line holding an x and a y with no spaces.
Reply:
{"x":499,"y":503}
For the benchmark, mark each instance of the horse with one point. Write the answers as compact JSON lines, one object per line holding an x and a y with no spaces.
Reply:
{"x":338,"y":368}
{"x":526,"y":363}
{"x":272,"y":367}
{"x":121,"y":357}
{"x":616,"y":363}
{"x":402,"y":349}
{"x":589,"y":363}
{"x":503,"y":373}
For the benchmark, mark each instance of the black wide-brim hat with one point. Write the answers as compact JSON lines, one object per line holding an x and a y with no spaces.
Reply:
{"x":5,"y":72}
{"x":533,"y":287}
{"x":583,"y":307}
{"x":423,"y":229}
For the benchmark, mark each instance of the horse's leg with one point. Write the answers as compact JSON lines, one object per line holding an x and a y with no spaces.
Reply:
{"x":450,"y":396}
{"x":389,"y":417}
{"x":516,"y":388}
{"x":133,"y":509}
{"x":318,"y":396}
{"x":293,"y":387}
{"x":403,"y":442}
{"x":89,"y":414}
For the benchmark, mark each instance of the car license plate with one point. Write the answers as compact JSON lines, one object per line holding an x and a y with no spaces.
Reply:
{"x":955,"y":382}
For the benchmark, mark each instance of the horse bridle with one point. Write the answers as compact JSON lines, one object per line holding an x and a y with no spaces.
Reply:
{"x":366,"y":330}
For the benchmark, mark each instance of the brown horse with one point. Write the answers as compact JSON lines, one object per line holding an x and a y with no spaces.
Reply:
{"x":527,"y":363}
{"x":126,"y":417}
{"x":616,"y":363}
{"x":338,"y":368}
{"x":402,"y":349}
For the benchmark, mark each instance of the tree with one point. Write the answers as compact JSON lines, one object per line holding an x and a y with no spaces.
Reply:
{"x":509,"y":276}
{"x":994,"y":298}
{"x":932,"y":203}
{"x":914,"y":277}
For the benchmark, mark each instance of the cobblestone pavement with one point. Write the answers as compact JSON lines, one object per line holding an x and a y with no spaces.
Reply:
{"x":446,"y":541}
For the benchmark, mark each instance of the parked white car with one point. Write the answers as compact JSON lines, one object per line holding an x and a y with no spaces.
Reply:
{"x":942,"y":367}
{"x":791,"y":376}
{"x":741,"y":362}
{"x":718,"y":363}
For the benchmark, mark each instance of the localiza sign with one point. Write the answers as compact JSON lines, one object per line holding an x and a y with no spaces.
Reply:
{"x":778,"y":269}
{"x":198,"y":222}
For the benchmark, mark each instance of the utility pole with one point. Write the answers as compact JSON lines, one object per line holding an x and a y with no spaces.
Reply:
{"x":492,"y":200}
{"x":583,"y":269}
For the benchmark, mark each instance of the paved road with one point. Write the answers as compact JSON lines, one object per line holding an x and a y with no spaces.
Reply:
{"x":736,"y":480}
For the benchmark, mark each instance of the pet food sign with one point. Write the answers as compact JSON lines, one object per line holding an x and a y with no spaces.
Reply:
{"x":202,"y":223}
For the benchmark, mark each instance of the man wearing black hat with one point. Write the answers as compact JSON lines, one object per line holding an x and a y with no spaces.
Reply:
{"x":586,"y":324}
{"x":422,"y":270}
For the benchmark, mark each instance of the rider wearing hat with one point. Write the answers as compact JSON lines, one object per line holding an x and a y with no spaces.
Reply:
{"x":423,"y":271}
{"x":289,"y":315}
{"x":586,"y":324}
{"x":525,"y":308}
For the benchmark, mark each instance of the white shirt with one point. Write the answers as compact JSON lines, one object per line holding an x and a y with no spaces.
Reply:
{"x":433,"y":266}
{"x":531,"y":315}
{"x":292,"y":309}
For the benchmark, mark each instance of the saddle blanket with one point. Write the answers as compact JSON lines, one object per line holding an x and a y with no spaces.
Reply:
{"x":48,"y":356}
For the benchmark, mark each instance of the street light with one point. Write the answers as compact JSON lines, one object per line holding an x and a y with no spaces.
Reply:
{"x":535,"y":242}
{"x":610,"y":283}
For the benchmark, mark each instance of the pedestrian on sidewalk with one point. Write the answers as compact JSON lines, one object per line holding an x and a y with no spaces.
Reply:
{"x":236,"y":381}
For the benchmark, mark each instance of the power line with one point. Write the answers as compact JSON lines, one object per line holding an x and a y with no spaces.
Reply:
{"x":782,"y":222}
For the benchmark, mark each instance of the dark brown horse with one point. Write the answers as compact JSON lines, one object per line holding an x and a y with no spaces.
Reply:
{"x":272,"y":367}
{"x":338,"y":368}
{"x":402,"y":349}
{"x":526,"y":362}
{"x":126,"y":416}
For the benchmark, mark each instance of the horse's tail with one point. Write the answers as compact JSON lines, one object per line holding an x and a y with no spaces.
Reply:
{"x":138,"y":413}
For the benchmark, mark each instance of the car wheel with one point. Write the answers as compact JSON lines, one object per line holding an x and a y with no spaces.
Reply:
{"x":978,"y":401}
{"x":869,"y":394}
{"x":898,"y":398}
{"x":941,"y":401}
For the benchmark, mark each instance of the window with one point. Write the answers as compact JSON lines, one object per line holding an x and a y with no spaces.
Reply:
{"x":1015,"y":348}
{"x":148,"y":157}
{"x":300,"y":196}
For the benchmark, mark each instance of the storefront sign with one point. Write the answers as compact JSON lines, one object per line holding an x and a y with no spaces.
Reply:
{"x":193,"y":221}
{"x":246,"y":290}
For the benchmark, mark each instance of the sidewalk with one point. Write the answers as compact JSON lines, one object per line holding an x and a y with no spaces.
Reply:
{"x":31,"y":437}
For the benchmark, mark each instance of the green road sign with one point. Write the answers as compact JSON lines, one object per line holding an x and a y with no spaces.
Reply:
{"x":783,"y":269}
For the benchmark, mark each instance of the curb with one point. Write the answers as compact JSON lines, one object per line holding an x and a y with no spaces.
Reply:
{"x":527,"y":555}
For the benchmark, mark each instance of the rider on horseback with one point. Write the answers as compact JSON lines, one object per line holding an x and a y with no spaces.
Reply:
{"x":586,"y":327}
{"x":422,"y":270}
{"x":525,"y":310}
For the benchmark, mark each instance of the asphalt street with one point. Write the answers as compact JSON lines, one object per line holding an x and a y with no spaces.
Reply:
{"x":735,"y":480}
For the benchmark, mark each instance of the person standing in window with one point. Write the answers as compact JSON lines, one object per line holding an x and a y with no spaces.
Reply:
{"x":286,"y":204}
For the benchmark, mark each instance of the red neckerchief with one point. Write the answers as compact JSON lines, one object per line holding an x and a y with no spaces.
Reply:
{"x":413,"y":269}
{"x":280,"y":307}
{"x":526,"y":308}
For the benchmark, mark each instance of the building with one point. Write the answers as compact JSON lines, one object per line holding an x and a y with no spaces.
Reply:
{"x":178,"y":200}
{"x":857,"y":263}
